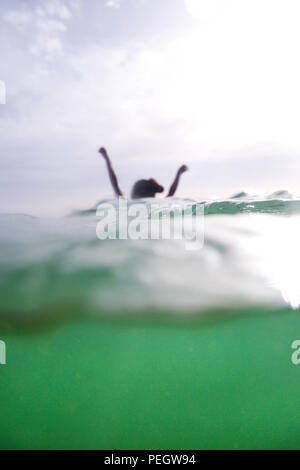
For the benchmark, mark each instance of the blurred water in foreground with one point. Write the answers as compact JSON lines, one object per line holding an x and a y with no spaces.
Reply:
{"x":57,"y":267}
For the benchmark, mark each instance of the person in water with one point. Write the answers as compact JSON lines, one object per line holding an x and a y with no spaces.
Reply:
{"x":142,"y":188}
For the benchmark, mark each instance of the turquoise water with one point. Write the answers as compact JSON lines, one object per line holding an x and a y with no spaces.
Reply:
{"x":152,"y":343}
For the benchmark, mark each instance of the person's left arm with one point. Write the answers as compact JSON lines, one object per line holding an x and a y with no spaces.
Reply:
{"x":175,"y":183}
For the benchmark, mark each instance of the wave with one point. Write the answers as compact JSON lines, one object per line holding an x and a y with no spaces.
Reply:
{"x":278,"y":202}
{"x":250,"y":260}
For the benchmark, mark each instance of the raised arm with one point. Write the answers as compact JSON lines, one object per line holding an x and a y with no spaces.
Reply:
{"x":174,"y":185}
{"x":112,"y":176}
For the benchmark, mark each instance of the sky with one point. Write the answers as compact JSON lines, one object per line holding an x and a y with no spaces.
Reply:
{"x":214,"y":84}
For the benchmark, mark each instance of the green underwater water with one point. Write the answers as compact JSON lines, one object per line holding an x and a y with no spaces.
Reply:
{"x":99,"y":385}
{"x":123,"y":344}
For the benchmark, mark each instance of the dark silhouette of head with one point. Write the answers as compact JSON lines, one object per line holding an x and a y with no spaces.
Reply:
{"x":146,"y":188}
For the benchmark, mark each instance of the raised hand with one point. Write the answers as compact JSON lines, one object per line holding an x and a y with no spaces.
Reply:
{"x":112,"y":176}
{"x":183,"y":169}
{"x":103,"y":152}
{"x":174,"y":185}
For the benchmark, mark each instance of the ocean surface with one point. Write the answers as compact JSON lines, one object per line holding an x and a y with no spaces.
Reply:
{"x":58,"y":267}
{"x":152,"y":343}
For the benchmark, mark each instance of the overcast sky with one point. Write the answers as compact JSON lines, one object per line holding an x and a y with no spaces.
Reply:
{"x":214,"y":84}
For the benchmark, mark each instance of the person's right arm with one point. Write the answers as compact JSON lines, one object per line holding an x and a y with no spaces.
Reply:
{"x":112,"y":176}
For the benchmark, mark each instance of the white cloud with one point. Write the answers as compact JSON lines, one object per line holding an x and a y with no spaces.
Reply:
{"x":113,"y":3}
{"x":48,"y":41}
{"x":17,"y":18}
{"x":45,"y":25}
{"x":54,"y":8}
